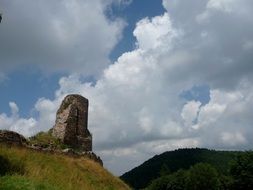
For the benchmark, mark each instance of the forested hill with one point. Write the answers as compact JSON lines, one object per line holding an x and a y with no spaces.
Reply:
{"x":171,"y":161}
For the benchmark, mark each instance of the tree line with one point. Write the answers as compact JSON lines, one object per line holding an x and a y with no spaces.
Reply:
{"x":204,"y":176}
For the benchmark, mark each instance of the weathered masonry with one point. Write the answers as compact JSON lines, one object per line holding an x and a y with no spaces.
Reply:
{"x":71,"y":125}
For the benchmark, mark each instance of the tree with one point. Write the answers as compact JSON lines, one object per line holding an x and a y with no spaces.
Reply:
{"x":175,"y":181}
{"x":178,"y":180}
{"x":159,"y":183}
{"x":165,"y":170}
{"x":242,"y":171}
{"x":226,"y":182}
{"x":203,"y":176}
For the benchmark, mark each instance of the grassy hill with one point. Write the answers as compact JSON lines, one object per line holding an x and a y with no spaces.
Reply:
{"x":25,"y":169}
{"x":172,"y":161}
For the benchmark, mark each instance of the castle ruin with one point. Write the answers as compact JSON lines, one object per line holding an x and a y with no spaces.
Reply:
{"x":71,"y":125}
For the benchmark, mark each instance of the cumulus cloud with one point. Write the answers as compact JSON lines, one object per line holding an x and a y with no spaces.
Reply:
{"x":150,"y":34}
{"x":15,"y":123}
{"x":233,"y":139}
{"x":225,"y":121}
{"x":14,"y":108}
{"x":57,"y":36}
{"x":190,"y":112}
{"x":136,"y":108}
{"x":217,"y":42}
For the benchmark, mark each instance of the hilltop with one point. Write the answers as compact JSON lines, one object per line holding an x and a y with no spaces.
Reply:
{"x":23,"y":168}
{"x":60,"y":159}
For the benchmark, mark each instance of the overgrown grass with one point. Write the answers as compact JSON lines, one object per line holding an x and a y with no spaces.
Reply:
{"x":51,"y":171}
{"x":9,"y":166}
{"x":17,"y":182}
{"x":45,"y":139}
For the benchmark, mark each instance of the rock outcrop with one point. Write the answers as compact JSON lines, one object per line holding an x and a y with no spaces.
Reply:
{"x":72,"y":121}
{"x":11,"y":137}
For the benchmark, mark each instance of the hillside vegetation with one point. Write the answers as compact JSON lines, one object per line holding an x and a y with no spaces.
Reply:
{"x":25,"y":169}
{"x":172,"y":161}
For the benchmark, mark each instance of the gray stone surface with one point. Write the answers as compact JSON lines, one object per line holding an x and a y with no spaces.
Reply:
{"x":71,"y":125}
{"x":11,"y":137}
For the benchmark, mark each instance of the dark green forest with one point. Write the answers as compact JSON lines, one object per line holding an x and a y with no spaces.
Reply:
{"x":194,"y":169}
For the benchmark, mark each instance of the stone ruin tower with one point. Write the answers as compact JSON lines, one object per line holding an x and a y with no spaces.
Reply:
{"x":71,"y":125}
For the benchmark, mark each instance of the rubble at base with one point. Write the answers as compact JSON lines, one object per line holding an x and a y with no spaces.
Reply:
{"x":15,"y":139}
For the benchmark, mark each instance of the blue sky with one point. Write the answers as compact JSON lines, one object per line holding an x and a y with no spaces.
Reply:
{"x":159,"y":75}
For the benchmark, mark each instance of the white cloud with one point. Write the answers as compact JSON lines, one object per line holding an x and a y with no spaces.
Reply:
{"x":220,"y":104}
{"x":225,"y":121}
{"x":151,"y":34}
{"x":60,"y":36}
{"x":233,"y":139}
{"x":14,"y":108}
{"x":222,"y":5}
{"x":209,"y":113}
{"x":190,"y":112}
{"x":123,"y":2}
{"x":145,"y":121}
{"x":24,"y":126}
{"x":47,"y":113}
{"x":239,"y":8}
{"x":15,"y":123}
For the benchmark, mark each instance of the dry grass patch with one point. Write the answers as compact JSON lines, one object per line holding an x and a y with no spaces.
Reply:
{"x":42,"y":170}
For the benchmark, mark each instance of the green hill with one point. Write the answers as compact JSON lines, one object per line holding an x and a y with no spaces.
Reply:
{"x":172,"y":161}
{"x":25,"y":169}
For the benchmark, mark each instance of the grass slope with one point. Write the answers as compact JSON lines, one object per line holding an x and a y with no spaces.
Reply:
{"x":25,"y":169}
{"x":142,"y":176}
